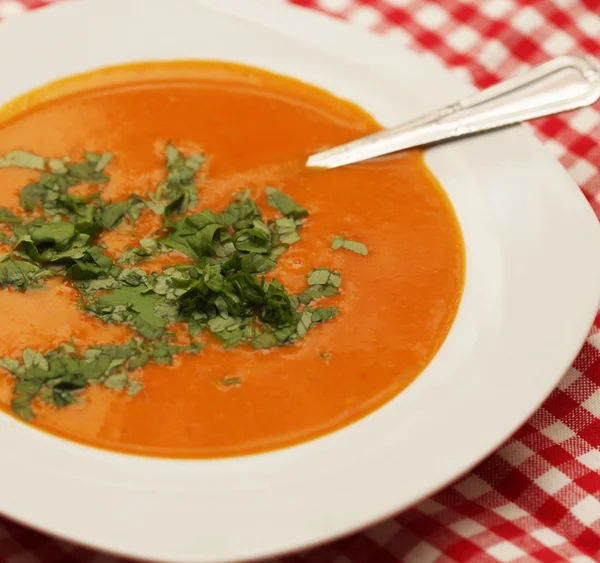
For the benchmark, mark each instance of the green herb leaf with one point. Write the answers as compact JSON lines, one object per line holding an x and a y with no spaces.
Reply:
{"x":21,"y":275}
{"x":285,"y":204}
{"x":59,"y":233}
{"x":22,"y":159}
{"x":324,"y":314}
{"x":131,"y":256}
{"x":32,"y":358}
{"x":341,"y":242}
{"x":317,"y":292}
{"x":116,"y":381}
{"x":113,"y":213}
{"x":265,"y":340}
{"x":134,"y":388}
{"x":133,"y":305}
{"x":10,"y":364}
{"x":102,"y":162}
{"x":324,"y":276}
{"x":229,"y":381}
{"x":178,"y":188}
{"x":24,"y":394}
{"x":7,"y":216}
{"x":286,"y":229}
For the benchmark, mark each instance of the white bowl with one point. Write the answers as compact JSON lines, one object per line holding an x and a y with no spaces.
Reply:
{"x":532,"y":290}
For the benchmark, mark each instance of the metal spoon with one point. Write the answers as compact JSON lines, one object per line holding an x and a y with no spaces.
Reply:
{"x":562,"y":84}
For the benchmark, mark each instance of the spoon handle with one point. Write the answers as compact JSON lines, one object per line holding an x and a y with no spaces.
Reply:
{"x":561,"y":84}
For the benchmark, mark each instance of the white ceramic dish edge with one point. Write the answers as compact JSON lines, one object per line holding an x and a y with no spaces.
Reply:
{"x":366,"y":483}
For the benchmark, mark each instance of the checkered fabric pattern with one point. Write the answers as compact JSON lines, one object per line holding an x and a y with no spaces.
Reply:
{"x":538,"y":497}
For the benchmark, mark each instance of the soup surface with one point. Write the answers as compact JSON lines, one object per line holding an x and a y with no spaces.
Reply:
{"x":380,"y":328}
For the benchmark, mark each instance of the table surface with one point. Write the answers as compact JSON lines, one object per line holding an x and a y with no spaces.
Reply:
{"x":538,"y":497}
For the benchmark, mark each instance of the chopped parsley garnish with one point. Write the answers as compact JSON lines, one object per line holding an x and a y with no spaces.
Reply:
{"x":285,"y":204}
{"x":229,"y":381}
{"x":342,"y":242}
{"x":57,"y":376}
{"x":21,"y":275}
{"x":22,"y":159}
{"x":223,"y":292}
{"x":177,"y":193}
{"x":148,"y":248}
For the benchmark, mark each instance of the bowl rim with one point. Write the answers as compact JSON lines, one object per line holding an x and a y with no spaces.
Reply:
{"x":360,"y":479}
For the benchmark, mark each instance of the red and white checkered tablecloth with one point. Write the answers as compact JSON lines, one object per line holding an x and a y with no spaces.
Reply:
{"x":538,"y":497}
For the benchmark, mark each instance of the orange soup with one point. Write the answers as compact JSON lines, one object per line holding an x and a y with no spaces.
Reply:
{"x":176,"y":283}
